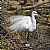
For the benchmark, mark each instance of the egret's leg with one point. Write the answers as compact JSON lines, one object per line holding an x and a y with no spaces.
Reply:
{"x":27,"y":38}
{"x":27,"y":35}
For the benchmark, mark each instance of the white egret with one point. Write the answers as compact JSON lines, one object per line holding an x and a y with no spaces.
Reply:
{"x":25,"y":23}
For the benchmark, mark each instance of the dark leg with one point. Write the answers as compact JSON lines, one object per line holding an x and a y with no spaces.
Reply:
{"x":27,"y":38}
{"x":27,"y":35}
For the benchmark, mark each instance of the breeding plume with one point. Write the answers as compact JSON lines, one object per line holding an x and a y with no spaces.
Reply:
{"x":23,"y":23}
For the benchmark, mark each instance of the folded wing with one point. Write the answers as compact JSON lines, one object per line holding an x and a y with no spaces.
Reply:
{"x":19,"y":22}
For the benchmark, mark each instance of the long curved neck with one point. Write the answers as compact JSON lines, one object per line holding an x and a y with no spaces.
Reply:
{"x":34,"y":22}
{"x":33,"y":17}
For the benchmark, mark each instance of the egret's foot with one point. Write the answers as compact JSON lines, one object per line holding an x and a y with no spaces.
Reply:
{"x":27,"y":45}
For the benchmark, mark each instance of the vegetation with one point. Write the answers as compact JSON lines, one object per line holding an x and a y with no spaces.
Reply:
{"x":39,"y":38}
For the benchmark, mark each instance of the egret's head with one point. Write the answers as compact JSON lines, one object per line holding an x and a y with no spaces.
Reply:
{"x":34,"y":13}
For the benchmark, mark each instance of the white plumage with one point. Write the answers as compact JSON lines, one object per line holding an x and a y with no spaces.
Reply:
{"x":23,"y":23}
{"x":19,"y":23}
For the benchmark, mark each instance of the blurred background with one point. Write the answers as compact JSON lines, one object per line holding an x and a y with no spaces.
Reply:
{"x":39,"y":38}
